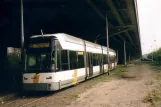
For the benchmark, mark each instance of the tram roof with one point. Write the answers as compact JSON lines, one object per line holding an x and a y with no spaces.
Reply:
{"x":67,"y":37}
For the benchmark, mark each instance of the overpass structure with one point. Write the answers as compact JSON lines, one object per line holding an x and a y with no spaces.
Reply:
{"x":85,"y":19}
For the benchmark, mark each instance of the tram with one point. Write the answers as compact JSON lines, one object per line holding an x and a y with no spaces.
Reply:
{"x":56,"y":61}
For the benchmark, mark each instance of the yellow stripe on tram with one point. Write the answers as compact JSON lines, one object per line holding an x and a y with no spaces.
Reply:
{"x":75,"y":77}
{"x":36,"y":78}
{"x":106,"y":67}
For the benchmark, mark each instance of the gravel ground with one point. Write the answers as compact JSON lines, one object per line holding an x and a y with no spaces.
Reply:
{"x":128,"y":91}
{"x":60,"y":98}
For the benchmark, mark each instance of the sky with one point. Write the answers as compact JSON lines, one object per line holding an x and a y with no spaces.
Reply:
{"x":150,"y":24}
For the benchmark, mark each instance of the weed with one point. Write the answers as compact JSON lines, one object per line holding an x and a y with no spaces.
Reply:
{"x":75,"y":96}
{"x":90,"y":86}
{"x":102,"y":79}
{"x":155,"y":96}
{"x":158,"y":77}
{"x":118,"y":73}
{"x":147,"y":99}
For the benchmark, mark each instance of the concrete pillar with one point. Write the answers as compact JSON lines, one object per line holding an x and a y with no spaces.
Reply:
{"x":107,"y":37}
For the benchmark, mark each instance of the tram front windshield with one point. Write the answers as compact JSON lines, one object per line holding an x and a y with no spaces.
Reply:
{"x":38,"y":62}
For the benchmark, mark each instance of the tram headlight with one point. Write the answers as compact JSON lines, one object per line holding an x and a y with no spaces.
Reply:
{"x":49,"y":85}
{"x":25,"y":78}
{"x":50,"y":77}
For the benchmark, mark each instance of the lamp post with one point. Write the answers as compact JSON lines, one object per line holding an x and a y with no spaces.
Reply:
{"x":22,"y":31}
{"x":155,"y":50}
{"x":155,"y":45}
{"x":152,"y":52}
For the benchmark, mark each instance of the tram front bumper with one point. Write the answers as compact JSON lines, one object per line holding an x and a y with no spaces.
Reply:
{"x":41,"y":86}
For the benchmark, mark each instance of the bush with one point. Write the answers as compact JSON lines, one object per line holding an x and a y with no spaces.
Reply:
{"x":14,"y":69}
{"x":156,"y":56}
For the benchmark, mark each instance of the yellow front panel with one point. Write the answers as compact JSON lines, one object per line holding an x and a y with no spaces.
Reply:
{"x":36,"y":78}
{"x":106,"y":67}
{"x":75,"y":76}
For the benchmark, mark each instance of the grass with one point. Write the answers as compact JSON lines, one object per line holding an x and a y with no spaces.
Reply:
{"x":119,"y":70}
{"x":118,"y":73}
{"x":147,"y":99}
{"x":158,"y":68}
{"x":87,"y":87}
{"x":103,"y":78}
{"x":154,"y":97}
{"x":158,"y":77}
{"x":75,"y":96}
{"x":155,"y":67}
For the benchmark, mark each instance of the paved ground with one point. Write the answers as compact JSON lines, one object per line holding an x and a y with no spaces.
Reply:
{"x":102,"y":91}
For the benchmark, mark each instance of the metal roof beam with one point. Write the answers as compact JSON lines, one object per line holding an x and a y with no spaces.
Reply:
{"x":131,"y":11}
{"x":130,"y":6}
{"x":124,"y":26}
{"x":118,"y":41}
{"x":118,"y":18}
{"x":123,"y":31}
{"x":94,"y":7}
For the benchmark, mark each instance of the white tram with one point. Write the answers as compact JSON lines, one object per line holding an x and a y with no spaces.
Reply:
{"x":56,"y":61}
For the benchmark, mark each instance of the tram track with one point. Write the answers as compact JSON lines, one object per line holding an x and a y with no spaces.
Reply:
{"x":23,"y":101}
{"x":60,"y":98}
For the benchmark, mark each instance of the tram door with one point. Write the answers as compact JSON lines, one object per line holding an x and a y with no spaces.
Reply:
{"x":100,"y":59}
{"x":90,"y":64}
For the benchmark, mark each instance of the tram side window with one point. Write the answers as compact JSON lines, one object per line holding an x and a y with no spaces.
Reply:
{"x":64,"y":60}
{"x":99,"y":59}
{"x":73,"y":60}
{"x":80,"y":59}
{"x":58,"y":60}
{"x":111,"y":58}
{"x":94,"y":60}
{"x":107,"y":59}
{"x":90,"y":56}
{"x":104,"y":59}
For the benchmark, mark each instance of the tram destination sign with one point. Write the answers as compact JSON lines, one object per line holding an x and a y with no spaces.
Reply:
{"x":39,"y":45}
